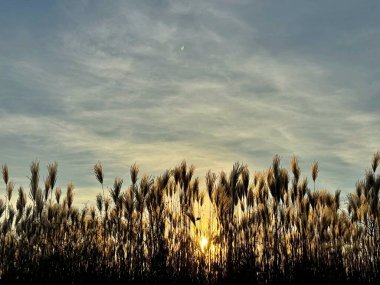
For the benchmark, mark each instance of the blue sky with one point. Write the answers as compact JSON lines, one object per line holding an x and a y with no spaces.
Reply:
{"x":213,"y":82}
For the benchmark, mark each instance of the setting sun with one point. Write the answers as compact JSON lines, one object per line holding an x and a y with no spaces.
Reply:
{"x":203,"y":243}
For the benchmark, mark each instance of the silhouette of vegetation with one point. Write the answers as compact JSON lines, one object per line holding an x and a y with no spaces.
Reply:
{"x":262,"y":227}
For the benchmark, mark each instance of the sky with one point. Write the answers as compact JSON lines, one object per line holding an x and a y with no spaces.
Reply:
{"x":212,"y":82}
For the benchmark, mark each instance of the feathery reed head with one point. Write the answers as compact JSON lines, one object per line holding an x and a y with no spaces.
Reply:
{"x":210,"y":183}
{"x":34,"y":178}
{"x":295,"y":168}
{"x":276,"y":164}
{"x":10,"y":187}
{"x":52,"y":174}
{"x":99,"y":202}
{"x":134,"y":172}
{"x":375,"y":161}
{"x":98,"y":171}
{"x":115,"y":191}
{"x":5,"y":174}
{"x":21,"y":201}
{"x":58,"y":193}
{"x":70,"y":195}
{"x":47,"y":188}
{"x":314,"y":170}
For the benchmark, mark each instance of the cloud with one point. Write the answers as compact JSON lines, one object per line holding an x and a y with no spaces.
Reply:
{"x":112,"y":83}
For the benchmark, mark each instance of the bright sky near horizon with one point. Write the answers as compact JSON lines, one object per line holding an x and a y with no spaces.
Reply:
{"x":212,"y":82}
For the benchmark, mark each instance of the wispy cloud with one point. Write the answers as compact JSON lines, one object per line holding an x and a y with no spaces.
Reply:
{"x":209,"y":82}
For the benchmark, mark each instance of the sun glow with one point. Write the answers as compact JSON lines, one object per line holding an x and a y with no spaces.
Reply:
{"x":203,"y":243}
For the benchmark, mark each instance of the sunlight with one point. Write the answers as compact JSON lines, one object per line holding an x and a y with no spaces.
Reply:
{"x":203,"y":243}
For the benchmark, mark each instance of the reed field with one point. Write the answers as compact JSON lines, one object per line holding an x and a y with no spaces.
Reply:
{"x":257,"y":227}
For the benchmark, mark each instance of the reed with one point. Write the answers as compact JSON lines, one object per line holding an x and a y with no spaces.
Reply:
{"x":259,"y":227}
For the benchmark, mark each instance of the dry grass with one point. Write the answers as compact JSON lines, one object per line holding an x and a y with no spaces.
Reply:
{"x":261,"y":227}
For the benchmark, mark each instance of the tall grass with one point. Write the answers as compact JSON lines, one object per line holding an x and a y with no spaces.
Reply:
{"x":242,"y":226}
